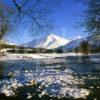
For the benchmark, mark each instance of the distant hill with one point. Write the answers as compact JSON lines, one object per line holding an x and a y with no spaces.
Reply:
{"x":3,"y":45}
{"x":71,"y":45}
{"x":8,"y":47}
{"x":53,"y":43}
{"x":93,"y":41}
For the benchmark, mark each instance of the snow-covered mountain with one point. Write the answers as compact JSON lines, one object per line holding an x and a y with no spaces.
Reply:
{"x":71,"y":45}
{"x":94,"y":41}
{"x":49,"y":42}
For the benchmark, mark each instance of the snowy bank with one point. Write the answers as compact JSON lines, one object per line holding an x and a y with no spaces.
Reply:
{"x":34,"y":56}
{"x":52,"y":83}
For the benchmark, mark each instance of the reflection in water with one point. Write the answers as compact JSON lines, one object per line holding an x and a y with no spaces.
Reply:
{"x":1,"y":70}
{"x":50,"y":78}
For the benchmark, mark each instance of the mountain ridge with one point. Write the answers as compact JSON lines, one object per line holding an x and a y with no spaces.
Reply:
{"x":49,"y":42}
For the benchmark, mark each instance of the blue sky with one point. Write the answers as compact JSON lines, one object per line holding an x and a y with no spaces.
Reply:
{"x":67,"y":17}
{"x":65,"y":20}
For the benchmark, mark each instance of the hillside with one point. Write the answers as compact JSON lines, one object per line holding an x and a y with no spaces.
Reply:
{"x":74,"y":45}
{"x":50,"y":41}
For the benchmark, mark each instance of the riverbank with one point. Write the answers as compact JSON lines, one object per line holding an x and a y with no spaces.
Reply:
{"x":9,"y":56}
{"x":34,"y":56}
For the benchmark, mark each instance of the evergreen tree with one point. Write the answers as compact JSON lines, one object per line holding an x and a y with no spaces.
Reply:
{"x":84,"y":48}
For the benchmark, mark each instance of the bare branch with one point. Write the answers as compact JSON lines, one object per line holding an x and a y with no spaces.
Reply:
{"x":34,"y":19}
{"x":36,"y":15}
{"x":17,"y":5}
{"x":25,"y":3}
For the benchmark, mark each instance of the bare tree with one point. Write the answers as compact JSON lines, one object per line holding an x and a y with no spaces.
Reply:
{"x":33,"y":14}
{"x":92,"y":16}
{"x":4,"y":19}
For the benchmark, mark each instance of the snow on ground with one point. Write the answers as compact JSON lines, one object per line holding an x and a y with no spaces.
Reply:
{"x":34,"y":56}
{"x":56,"y":84}
{"x":9,"y":56}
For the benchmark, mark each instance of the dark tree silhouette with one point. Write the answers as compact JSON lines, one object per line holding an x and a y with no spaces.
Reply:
{"x":84,"y":48}
{"x":92,"y":16}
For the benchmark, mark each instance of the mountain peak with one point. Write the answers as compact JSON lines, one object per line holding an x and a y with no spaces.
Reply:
{"x":53,"y":35}
{"x":51,"y":41}
{"x":58,"y":37}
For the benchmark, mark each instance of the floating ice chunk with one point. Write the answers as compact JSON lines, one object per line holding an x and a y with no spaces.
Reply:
{"x":56,"y":84}
{"x":79,"y":93}
{"x":7,"y":90}
{"x":43,"y":92}
{"x":29,"y":96}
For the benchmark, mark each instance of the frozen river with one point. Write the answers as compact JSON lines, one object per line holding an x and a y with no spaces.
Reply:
{"x":50,"y":78}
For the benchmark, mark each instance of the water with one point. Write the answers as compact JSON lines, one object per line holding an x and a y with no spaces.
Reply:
{"x":45,"y":79}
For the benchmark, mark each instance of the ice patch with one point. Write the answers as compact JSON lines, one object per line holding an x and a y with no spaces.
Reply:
{"x":62,"y":84}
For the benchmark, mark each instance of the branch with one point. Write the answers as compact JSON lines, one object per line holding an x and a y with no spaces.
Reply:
{"x":19,"y":8}
{"x":40,"y":26}
{"x":17,"y":5}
